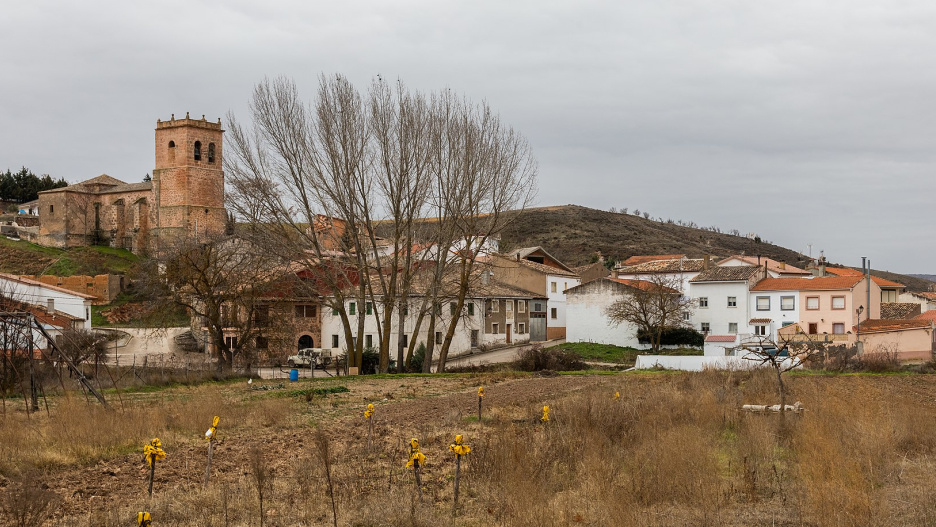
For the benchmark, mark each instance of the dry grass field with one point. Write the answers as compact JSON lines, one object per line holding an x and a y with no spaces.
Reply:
{"x":674,"y":449}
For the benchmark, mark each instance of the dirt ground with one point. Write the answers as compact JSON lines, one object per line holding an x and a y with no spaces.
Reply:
{"x":428,"y":408}
{"x":405,"y":407}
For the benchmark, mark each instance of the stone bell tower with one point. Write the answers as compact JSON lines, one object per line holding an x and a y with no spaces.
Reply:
{"x":188,"y":181}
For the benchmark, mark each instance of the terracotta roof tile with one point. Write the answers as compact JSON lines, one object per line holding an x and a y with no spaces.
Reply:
{"x":927,"y":315}
{"x":546,"y":269}
{"x":733,"y":273}
{"x":899,"y":310}
{"x":848,"y":271}
{"x":882,"y":326}
{"x":773,"y":265}
{"x":637,"y":260}
{"x":721,"y":338}
{"x":759,"y":321}
{"x":664,"y":266}
{"x":644,"y":285}
{"x":824,"y":283}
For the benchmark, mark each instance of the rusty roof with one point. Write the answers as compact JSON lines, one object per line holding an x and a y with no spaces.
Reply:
{"x":664,"y":266}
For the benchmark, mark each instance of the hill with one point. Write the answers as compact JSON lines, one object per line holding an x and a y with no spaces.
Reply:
{"x":20,"y":257}
{"x":574,"y":233}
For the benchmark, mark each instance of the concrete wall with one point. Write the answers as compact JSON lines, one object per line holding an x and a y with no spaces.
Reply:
{"x":586,"y":319}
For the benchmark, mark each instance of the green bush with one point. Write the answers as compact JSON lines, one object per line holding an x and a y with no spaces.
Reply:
{"x":674,"y":337}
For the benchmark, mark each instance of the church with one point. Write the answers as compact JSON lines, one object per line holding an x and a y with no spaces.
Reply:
{"x":185,"y":197}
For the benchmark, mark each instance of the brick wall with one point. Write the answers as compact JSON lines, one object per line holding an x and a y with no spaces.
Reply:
{"x":105,"y":287}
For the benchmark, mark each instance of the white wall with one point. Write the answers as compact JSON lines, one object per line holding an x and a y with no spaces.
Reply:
{"x":461,"y":341}
{"x":718,"y":314}
{"x":778,"y":316}
{"x":587,"y":322}
{"x":38,"y":294}
{"x":697,"y":362}
{"x":558,"y":300}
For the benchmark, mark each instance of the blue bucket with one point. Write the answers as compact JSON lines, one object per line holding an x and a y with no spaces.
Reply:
{"x":293,"y":375}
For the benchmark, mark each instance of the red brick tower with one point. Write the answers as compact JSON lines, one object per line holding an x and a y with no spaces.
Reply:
{"x":188,"y":181}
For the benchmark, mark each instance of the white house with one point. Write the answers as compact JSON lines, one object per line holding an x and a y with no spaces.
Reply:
{"x":721,"y":296}
{"x":494,"y":315}
{"x":56,"y":301}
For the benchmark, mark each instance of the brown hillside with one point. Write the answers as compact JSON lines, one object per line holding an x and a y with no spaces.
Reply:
{"x":573,"y":233}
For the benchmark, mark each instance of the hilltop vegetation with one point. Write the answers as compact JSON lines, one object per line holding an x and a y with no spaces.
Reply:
{"x":574,"y":233}
{"x":21,"y":257}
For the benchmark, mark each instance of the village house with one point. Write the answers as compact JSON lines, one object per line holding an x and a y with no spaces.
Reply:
{"x":671,"y":270}
{"x":721,"y":298}
{"x":184,"y":199}
{"x":588,"y":304}
{"x":534,"y":269}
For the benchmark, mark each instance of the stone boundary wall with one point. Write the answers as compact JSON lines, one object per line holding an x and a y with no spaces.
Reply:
{"x":105,"y":287}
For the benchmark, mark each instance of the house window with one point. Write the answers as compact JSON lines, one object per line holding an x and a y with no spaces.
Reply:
{"x":352,"y":308}
{"x":262,"y":316}
{"x":763,"y":303}
{"x":369,"y":341}
{"x":788,"y":323}
{"x":838,"y":302}
{"x":51,"y":209}
{"x":521,"y":306}
{"x":760,"y":331}
{"x":334,"y":341}
{"x":263,"y":343}
{"x":495,"y":306}
{"x":888,"y":295}
{"x":452,"y":306}
{"x":494,"y":328}
{"x":537,"y":307}
{"x":474,"y":338}
{"x":732,"y":301}
{"x":438,"y":337}
{"x":197,"y":150}
{"x":211,"y":150}
{"x":732,"y":327}
{"x":521,"y":328}
{"x":787,"y":303}
{"x":703,"y":301}
{"x":838,"y":328}
{"x":230,"y":343}
{"x":812,"y":302}
{"x":813,"y":328}
{"x":369,"y":307}
{"x":552,"y":287}
{"x":705,"y":327}
{"x":553,"y":313}
{"x":509,"y":304}
{"x":307,"y":311}
{"x":565,"y":285}
{"x":685,"y":316}
{"x":405,"y":340}
{"x":171,"y":144}
{"x":470,"y":309}
{"x":437,"y":309}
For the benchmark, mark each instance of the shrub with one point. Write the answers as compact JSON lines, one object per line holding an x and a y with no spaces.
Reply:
{"x":674,"y":337}
{"x":538,"y":359}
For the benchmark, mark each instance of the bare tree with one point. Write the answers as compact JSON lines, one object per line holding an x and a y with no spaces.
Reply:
{"x":652,"y":305}
{"x":792,"y":348}
{"x":222,"y":283}
{"x":373,"y":169}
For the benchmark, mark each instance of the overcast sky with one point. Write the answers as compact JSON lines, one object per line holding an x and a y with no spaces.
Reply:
{"x":806,"y":122}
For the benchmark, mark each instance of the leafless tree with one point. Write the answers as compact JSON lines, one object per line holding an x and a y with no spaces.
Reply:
{"x":789,"y":351}
{"x":347,"y":186}
{"x":222,"y":282}
{"x":652,"y":305}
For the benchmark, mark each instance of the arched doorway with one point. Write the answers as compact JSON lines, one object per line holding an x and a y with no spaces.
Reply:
{"x":306,"y":341}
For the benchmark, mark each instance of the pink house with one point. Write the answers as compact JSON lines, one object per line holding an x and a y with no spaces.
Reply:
{"x":827,"y":305}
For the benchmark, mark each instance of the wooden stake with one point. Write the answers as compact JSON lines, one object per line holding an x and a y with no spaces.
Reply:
{"x":152,"y":475}
{"x":208,"y":468}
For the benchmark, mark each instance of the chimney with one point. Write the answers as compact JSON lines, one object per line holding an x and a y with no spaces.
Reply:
{"x":706,"y":262}
{"x":485,"y":277}
{"x":782,"y":266}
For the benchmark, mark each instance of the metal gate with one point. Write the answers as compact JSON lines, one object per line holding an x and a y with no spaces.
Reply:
{"x":537,"y":327}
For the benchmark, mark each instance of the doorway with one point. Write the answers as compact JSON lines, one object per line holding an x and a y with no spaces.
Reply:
{"x":306,"y":341}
